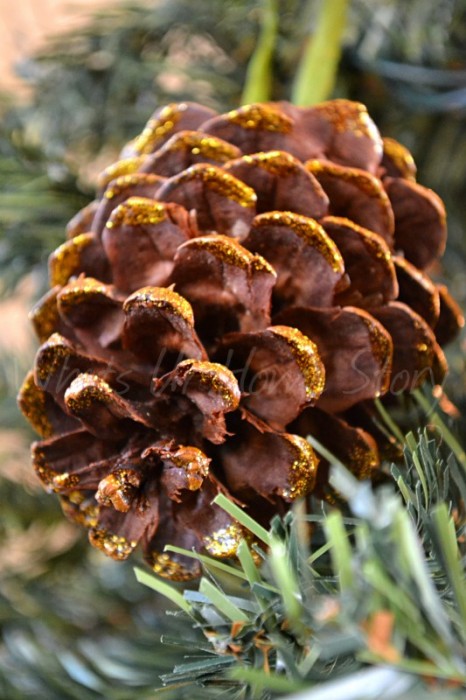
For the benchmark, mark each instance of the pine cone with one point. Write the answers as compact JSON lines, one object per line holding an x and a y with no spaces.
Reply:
{"x":241,"y":281}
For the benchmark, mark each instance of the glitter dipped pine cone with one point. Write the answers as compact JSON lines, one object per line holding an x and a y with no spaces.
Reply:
{"x":240,"y":282}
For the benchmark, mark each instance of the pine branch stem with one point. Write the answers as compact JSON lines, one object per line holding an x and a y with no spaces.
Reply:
{"x":317,"y":70}
{"x":258,"y":82}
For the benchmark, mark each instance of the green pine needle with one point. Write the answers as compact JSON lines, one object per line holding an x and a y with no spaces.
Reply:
{"x":306,"y":607}
{"x":340,"y":550}
{"x":243,"y":518}
{"x":165,"y":589}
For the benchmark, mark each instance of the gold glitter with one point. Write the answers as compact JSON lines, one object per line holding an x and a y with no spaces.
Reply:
{"x":77,"y":497}
{"x":160,"y":298}
{"x":219,"y":180}
{"x":80,"y":508}
{"x":346,"y":115}
{"x":44,"y":316}
{"x":52,"y":354}
{"x":361,"y":179}
{"x":112,"y":545}
{"x":277,"y":163}
{"x":166,"y":567}
{"x":224,"y":543}
{"x":214,"y":377}
{"x":401,"y":157}
{"x":85,"y":390}
{"x":307,"y":229}
{"x":32,"y":402}
{"x":203,"y":145}
{"x":372,"y":240}
{"x":302,"y":471}
{"x":307,"y":358}
{"x":126,"y":166}
{"x":362,"y":459}
{"x":118,"y":489}
{"x":261,"y":116}
{"x":157,"y":129}
{"x":194,"y":462}
{"x":126,"y":182}
{"x":81,"y":291}
{"x":137,"y":211}
{"x":66,"y":259}
{"x":41,"y":467}
{"x":43,"y":471}
{"x":64,"y":481}
{"x":381,"y":345}
{"x":229,"y":251}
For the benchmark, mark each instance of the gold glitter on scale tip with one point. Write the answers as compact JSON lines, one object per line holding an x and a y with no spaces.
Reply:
{"x":261,"y":116}
{"x":307,"y":229}
{"x":82,"y":290}
{"x":53,"y":354}
{"x":166,"y":567}
{"x":203,"y":145}
{"x":126,"y":166}
{"x":224,"y":543}
{"x":401,"y":157}
{"x":65,"y":260}
{"x":118,"y":488}
{"x":126,"y":182}
{"x":160,"y":298}
{"x":137,"y":211}
{"x":346,"y":115}
{"x":307,"y":358}
{"x":85,"y":391}
{"x":32,"y":401}
{"x":44,"y":316}
{"x":80,"y":508}
{"x":381,"y":346}
{"x":230,"y":251}
{"x":302,"y":472}
{"x":193,"y":461}
{"x":157,"y":129}
{"x":215,"y":377}
{"x":220,"y":181}
{"x":115,"y":546}
{"x":279,"y":163}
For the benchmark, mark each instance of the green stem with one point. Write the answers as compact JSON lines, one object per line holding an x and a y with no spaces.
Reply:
{"x":436,"y":420}
{"x":258,"y":82}
{"x":315,"y":78}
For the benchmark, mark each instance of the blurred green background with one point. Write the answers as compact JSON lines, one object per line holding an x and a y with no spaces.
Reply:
{"x":74,"y":624}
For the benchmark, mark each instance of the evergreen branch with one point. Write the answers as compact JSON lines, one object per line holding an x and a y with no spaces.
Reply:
{"x":445,"y":432}
{"x":394,"y":596}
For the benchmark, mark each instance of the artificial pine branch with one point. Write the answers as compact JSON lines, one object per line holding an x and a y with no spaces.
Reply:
{"x":391,"y":593}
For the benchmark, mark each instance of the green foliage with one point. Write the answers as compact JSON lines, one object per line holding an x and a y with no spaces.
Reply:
{"x":36,"y":199}
{"x":380,"y":584}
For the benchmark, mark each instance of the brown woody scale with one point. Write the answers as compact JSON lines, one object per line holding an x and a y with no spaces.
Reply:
{"x":242,"y":281}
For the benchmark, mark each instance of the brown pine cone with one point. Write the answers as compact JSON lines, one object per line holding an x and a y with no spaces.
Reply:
{"x":241,"y":281}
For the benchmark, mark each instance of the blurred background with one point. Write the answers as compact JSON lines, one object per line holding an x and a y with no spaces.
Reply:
{"x":78,"y":79}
